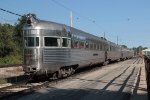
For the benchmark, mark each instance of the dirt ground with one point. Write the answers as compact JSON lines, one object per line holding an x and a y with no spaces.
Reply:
{"x":11,"y":72}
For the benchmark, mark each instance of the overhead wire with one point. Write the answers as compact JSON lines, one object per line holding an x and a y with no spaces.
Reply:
{"x":87,"y":18}
{"x":10,"y":12}
{"x":67,"y":8}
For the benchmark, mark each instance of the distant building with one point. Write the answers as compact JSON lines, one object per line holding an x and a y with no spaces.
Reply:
{"x":146,"y":52}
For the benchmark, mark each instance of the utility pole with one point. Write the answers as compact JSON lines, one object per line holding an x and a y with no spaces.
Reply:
{"x":71,"y":22}
{"x":117,"y":40}
{"x":71,"y":19}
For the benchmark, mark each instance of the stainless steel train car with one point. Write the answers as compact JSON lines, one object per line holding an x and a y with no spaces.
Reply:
{"x":127,"y":54}
{"x":113,"y":52}
{"x":56,"y":49}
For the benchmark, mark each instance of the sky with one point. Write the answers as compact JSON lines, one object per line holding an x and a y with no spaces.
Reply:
{"x":129,"y":20}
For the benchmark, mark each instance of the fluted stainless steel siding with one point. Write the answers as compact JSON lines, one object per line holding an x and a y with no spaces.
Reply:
{"x":58,"y":57}
{"x":114,"y":55}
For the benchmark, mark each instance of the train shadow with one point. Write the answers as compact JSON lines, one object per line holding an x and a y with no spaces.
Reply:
{"x":16,"y":79}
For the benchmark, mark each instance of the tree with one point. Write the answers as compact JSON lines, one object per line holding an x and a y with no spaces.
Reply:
{"x":137,"y":50}
{"x":7,"y":45}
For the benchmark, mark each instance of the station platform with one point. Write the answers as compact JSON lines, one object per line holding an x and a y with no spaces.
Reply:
{"x":139,"y":90}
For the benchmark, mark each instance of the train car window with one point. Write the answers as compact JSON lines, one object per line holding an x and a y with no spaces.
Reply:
{"x":51,"y":41}
{"x":31,"y":41}
{"x":81,"y":44}
{"x":76,"y":44}
{"x":64,"y":42}
{"x":87,"y":45}
{"x":37,"y":41}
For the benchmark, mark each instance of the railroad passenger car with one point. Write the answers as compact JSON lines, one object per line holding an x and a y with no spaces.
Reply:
{"x":127,"y":54}
{"x":113,"y":52}
{"x":53,"y":48}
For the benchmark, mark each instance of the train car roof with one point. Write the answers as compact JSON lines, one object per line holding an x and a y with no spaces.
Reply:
{"x":86,"y":34}
{"x":42,"y":24}
{"x":49,"y":25}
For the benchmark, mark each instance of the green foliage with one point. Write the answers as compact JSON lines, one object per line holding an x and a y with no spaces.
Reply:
{"x":7,"y":45}
{"x":137,"y":50}
{"x":11,"y":42}
{"x":18,"y":30}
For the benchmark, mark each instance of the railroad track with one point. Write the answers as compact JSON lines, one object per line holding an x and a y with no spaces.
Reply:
{"x":21,"y":89}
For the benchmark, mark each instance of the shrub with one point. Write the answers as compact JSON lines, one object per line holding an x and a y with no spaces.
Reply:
{"x":11,"y":60}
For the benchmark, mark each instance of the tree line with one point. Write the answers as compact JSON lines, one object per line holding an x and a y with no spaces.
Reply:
{"x":137,"y":50}
{"x":11,"y":42}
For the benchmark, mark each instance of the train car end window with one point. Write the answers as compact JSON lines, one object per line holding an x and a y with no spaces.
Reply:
{"x":31,"y":41}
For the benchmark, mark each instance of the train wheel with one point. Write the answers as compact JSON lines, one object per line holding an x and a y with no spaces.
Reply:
{"x":72,"y":71}
{"x":54,"y":77}
{"x":69,"y":70}
{"x":118,"y":60}
{"x":60,"y":73}
{"x":105,"y":63}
